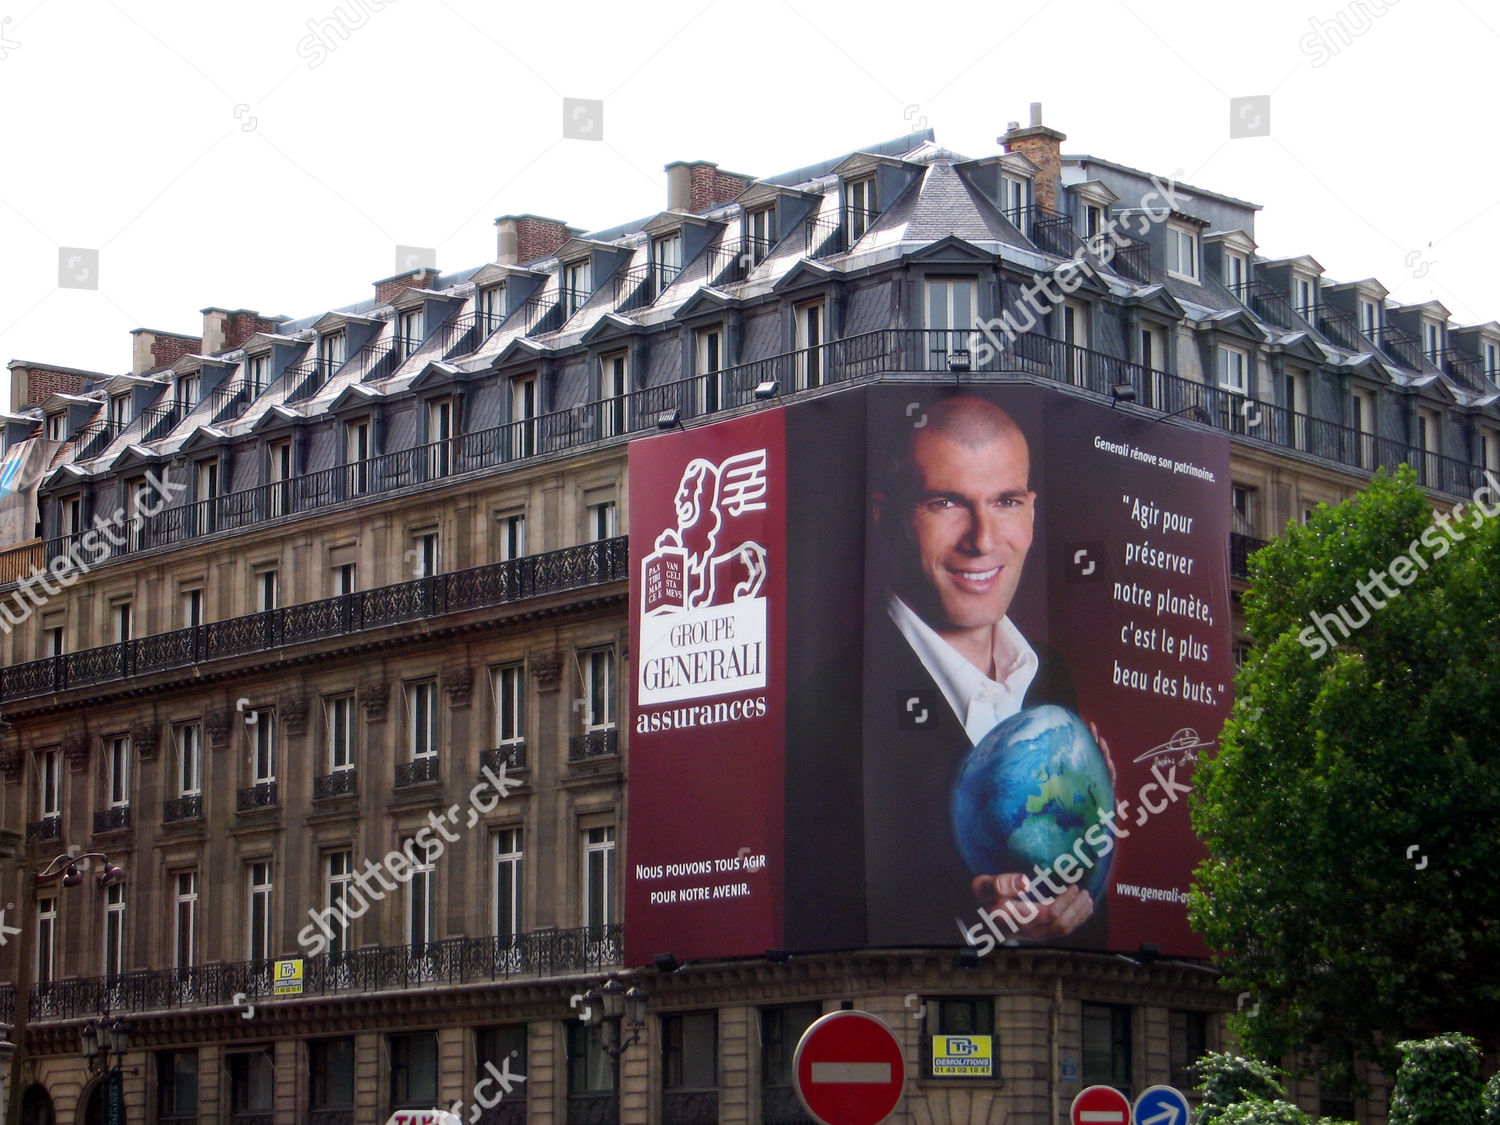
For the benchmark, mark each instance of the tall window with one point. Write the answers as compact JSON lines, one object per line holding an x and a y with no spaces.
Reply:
{"x":950,"y":318}
{"x":1491,"y":352}
{"x":54,"y":635}
{"x":57,"y":426}
{"x":600,"y":516}
{"x":119,"y":411}
{"x":414,"y":1071}
{"x":189,"y":760}
{"x":258,"y":915}
{"x":1106,"y":1046}
{"x":338,"y":876}
{"x":599,"y":690}
{"x":424,"y":554}
{"x":491,"y":308}
{"x":689,"y":1053}
{"x":576,"y":287}
{"x":1304,"y":296}
{"x":781,"y":1029}
{"x":810,"y":337}
{"x":440,"y":437}
{"x":761,"y":227}
{"x":118,"y":768}
{"x":1075,"y":331}
{"x":185,"y":921}
{"x":613,"y":383}
{"x":46,"y":939}
{"x":1369,"y":318}
{"x":410,"y":329}
{"x":208,"y":492}
{"x":252,"y":1080}
{"x":345,"y":579}
{"x":267,"y":590}
{"x":1187,"y":1042}
{"x":177,"y":1086}
{"x":330,"y":353}
{"x":357,"y":456}
{"x":598,"y":876}
{"x":510,"y":704}
{"x":507,"y":882}
{"x":512,"y":536}
{"x":257,"y":368}
{"x":190,"y":602}
{"x":339,"y":714}
{"x":263,"y":748}
{"x":1236,"y":272}
{"x":1491,"y":449}
{"x":709,"y":349}
{"x":330,"y":1078}
{"x":421,"y":718}
{"x":124,"y":620}
{"x":279,"y":477}
{"x":859,"y":207}
{"x":523,"y":407}
{"x":114,"y":930}
{"x":421,"y":913}
{"x":666,"y":261}
{"x":1432,"y":340}
{"x":187,"y":391}
{"x":1182,"y":252}
{"x":1234,"y":370}
{"x":49,"y":784}
{"x":591,"y":1072}
{"x":1015,"y":197}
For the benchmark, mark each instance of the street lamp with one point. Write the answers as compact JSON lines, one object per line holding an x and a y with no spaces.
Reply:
{"x":104,"y":1038}
{"x":611,"y":1004}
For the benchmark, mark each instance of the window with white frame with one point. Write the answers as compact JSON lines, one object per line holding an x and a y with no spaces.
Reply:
{"x":258,"y":911}
{"x":1304,"y":296}
{"x":338,"y":711}
{"x":46,"y":939}
{"x":114,"y":930}
{"x":187,"y":391}
{"x":345,"y":579}
{"x":423,"y":554}
{"x":208,"y":491}
{"x":666,"y":260}
{"x":190,"y":607}
{"x":70,"y":517}
{"x":760,"y":227}
{"x":421,"y":914}
{"x":1182,"y":251}
{"x":57,"y":426}
{"x":948,"y":317}
{"x":119,"y":411}
{"x":421,"y":719}
{"x":599,"y":519}
{"x":1369,"y":318}
{"x":49,"y":784}
{"x":491,"y":308}
{"x":338,"y":877}
{"x":1075,"y":333}
{"x":257,"y":373}
{"x":1234,"y":369}
{"x":1093,"y":220}
{"x":1432,"y":340}
{"x":54,"y":634}
{"x":118,"y":769}
{"x":1490,"y":448}
{"x":440,"y":437}
{"x":512,"y":526}
{"x":357,"y":456}
{"x":523,"y":408}
{"x":598,"y":669}
{"x":708,"y":358}
{"x":509,"y":681}
{"x":185,"y":920}
{"x":576,"y":286}
{"x":598,"y":876}
{"x":189,"y":760}
{"x":1236,"y":272}
{"x":123,"y":613}
{"x":1015,"y":197}
{"x":263,"y":747}
{"x":279,"y":475}
{"x":1491,"y":353}
{"x":614,"y":381}
{"x":331,"y":353}
{"x":507,"y":889}
{"x":267,"y":589}
{"x":810,"y":336}
{"x":410,"y":330}
{"x":859,"y":207}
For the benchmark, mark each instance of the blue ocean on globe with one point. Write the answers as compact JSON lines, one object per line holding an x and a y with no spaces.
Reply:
{"x":1029,"y":792}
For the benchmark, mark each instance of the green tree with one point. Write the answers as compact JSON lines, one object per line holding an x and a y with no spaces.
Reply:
{"x":1261,"y":1111}
{"x":1438,"y":1083}
{"x":1229,"y":1078}
{"x":1490,"y":1100}
{"x":1351,"y":886}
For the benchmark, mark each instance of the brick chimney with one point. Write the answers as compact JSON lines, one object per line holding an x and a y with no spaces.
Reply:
{"x":153,"y":350}
{"x":1043,"y":147}
{"x":226,"y":329}
{"x":527,"y":238}
{"x":387,"y":289}
{"x":31,"y":383}
{"x":698,"y":186}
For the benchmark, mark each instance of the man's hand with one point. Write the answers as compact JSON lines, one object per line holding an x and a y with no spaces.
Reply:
{"x":1064,"y":914}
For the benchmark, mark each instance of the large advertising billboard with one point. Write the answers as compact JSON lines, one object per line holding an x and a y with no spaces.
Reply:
{"x":1001,"y":620}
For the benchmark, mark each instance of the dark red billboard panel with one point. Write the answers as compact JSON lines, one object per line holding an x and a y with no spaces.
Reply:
{"x":707,"y":635}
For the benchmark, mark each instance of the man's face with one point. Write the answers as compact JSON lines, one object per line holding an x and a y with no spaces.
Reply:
{"x":968,"y":529}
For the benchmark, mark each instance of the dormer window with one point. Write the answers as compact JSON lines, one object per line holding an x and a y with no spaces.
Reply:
{"x":859,"y":207}
{"x":666,"y":260}
{"x":1491,"y":353}
{"x":1093,"y":218}
{"x":1015,"y":195}
{"x":56,"y":426}
{"x":187,"y":391}
{"x":119,"y":410}
{"x":492,"y":307}
{"x":1182,"y":251}
{"x":760,"y":234}
{"x":1432,"y":340}
{"x":409,"y":331}
{"x":575,"y":286}
{"x":1369,"y":317}
{"x":257,"y":372}
{"x":331,"y":352}
{"x":440,"y":437}
{"x":1304,"y":298}
{"x":1236,"y":271}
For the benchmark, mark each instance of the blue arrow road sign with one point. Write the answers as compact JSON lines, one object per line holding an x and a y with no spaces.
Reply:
{"x":1162,"y":1105}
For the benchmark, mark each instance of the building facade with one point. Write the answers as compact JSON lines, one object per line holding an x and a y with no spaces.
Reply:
{"x":316,"y":592}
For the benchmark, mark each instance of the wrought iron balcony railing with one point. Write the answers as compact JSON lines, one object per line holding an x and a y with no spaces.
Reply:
{"x":689,"y":1107}
{"x":418,"y":771}
{"x":593,"y":744}
{"x":259,"y":796}
{"x":513,"y":756}
{"x":453,"y":961}
{"x":1241,"y":547}
{"x":481,"y":587}
{"x":1054,"y":234}
{"x":182,"y":808}
{"x":594,"y":1108}
{"x":339,"y":783}
{"x":116,"y":819}
{"x":47,"y":829}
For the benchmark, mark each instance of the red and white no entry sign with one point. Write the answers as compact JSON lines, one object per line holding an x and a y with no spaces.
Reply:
{"x":849,"y":1069}
{"x":1101,"y":1105}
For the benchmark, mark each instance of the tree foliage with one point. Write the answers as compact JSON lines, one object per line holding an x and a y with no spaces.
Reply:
{"x":1490,"y":1100}
{"x":1351,"y":886}
{"x":1229,"y":1078}
{"x":1263,"y":1111}
{"x":1438,"y":1083}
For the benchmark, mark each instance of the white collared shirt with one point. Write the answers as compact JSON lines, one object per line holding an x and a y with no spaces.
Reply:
{"x":979,"y":702}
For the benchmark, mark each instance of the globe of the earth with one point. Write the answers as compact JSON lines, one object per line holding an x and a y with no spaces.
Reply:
{"x":1030,"y":792}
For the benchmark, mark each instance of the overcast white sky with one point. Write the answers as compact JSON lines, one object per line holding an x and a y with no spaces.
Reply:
{"x":273,"y":155}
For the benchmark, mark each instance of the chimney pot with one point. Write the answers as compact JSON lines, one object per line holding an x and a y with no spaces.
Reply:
{"x":1036,"y":114}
